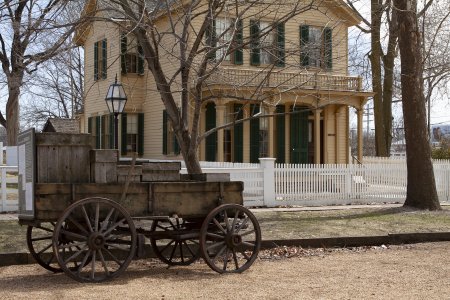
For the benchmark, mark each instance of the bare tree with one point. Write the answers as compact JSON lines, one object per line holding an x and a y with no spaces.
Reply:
{"x":56,"y":89}
{"x":421,"y":188}
{"x":31,"y":32}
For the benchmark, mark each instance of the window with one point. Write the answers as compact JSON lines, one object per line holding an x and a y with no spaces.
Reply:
{"x":170,"y":143}
{"x":316,"y":47}
{"x":220,"y":38}
{"x":267,"y":45}
{"x":227,"y":135}
{"x":132,"y":134}
{"x":132,"y":57}
{"x":100,"y":59}
{"x":101,"y":128}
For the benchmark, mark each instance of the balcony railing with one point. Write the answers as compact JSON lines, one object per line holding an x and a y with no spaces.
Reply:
{"x":286,"y":80}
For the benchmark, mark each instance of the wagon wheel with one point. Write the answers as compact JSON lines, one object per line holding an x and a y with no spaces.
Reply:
{"x":230,"y":239}
{"x":39,"y":241}
{"x":170,"y":246}
{"x":104,"y":236}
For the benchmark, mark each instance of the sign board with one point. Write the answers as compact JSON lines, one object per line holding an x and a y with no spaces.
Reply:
{"x":26,"y":153}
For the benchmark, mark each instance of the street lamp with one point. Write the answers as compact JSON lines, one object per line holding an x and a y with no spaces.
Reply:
{"x":116,"y":100}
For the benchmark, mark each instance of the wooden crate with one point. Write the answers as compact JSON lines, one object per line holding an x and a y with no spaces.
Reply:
{"x":104,"y":165}
{"x":62,"y":157}
{"x":161,"y":171}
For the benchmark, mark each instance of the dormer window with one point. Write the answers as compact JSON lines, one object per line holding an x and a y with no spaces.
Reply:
{"x":132,"y":57}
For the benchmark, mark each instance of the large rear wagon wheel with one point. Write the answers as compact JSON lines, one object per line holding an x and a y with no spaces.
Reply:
{"x":230,"y":239}
{"x":104,"y":236}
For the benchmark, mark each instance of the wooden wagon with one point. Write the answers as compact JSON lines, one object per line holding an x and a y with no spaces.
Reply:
{"x":89,"y":215}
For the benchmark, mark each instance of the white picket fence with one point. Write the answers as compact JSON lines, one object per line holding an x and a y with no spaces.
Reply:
{"x":315,"y":185}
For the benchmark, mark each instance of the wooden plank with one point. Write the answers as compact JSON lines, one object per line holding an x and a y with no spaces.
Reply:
{"x":151,"y":177}
{"x":56,"y":139}
{"x":41,"y":163}
{"x":188,"y":187}
{"x":104,"y":172}
{"x":161,"y":166}
{"x":124,"y":170}
{"x":133,"y":178}
{"x":210,"y":177}
{"x":52,"y":188}
{"x":104,"y":156}
{"x":108,"y":188}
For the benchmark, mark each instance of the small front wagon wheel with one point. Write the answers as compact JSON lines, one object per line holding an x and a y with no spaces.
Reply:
{"x":230,"y":239}
{"x":39,"y":242}
{"x":103,"y":236}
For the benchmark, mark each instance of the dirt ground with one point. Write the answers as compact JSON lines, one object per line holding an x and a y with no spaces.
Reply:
{"x":418,"y":271}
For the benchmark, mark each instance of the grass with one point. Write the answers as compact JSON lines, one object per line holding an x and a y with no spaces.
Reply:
{"x":303,"y":224}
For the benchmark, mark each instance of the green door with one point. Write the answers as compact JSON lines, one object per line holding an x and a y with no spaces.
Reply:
{"x":299,"y":135}
{"x":238,"y":138}
{"x":211,"y":140}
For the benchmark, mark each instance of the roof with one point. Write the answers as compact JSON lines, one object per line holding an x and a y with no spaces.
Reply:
{"x":62,"y":125}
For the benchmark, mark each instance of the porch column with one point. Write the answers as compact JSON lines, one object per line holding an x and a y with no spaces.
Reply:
{"x":317,"y":146}
{"x":220,"y":117}
{"x":271,"y":131}
{"x":338,"y":135}
{"x":360,"y":133}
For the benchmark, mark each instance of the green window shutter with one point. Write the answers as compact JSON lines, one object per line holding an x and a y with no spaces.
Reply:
{"x":280,"y":45}
{"x":164,"y":132}
{"x":239,"y":38}
{"x":304,"y":39}
{"x":97,"y":132}
{"x":328,"y":48}
{"x":280,"y":135}
{"x":140,"y":60}
{"x":254,"y":135}
{"x":254,"y":43}
{"x":111,"y":131}
{"x":238,"y":138}
{"x":211,"y":39}
{"x":124,"y":134}
{"x":211,"y":140}
{"x":140,"y":141}
{"x":90,"y":125}
{"x":104,"y":58}
{"x":123,"y":52}
{"x":96,"y":61}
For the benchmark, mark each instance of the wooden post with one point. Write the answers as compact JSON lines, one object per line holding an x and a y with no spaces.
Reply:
{"x":317,"y":146}
{"x":360,"y":133}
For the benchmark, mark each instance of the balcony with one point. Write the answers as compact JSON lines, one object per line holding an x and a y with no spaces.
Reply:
{"x":235,"y":78}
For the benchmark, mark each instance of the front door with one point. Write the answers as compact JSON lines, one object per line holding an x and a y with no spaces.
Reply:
{"x":299,"y":135}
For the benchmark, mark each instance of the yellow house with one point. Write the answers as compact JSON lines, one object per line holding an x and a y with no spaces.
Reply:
{"x":294,"y":71}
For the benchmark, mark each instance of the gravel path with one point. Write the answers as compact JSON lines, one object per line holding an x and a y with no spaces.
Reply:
{"x":418,"y":271}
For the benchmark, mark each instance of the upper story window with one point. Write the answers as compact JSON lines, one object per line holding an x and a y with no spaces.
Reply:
{"x":131,"y":55}
{"x":100,"y":59}
{"x":267,"y":44}
{"x":316,"y":47}
{"x":225,"y":38}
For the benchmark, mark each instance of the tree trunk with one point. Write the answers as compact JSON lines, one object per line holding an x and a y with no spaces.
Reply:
{"x":12,"y":112}
{"x":421,"y":188}
{"x":375,"y":61}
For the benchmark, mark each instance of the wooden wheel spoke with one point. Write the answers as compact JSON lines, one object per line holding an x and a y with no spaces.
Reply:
{"x":219,"y":226}
{"x":75,"y":255}
{"x":248,"y":232}
{"x":93,"y":264}
{"x":114,"y":226}
{"x":84,"y":261}
{"x":115,"y":246}
{"x":225,"y":219}
{"x":102,"y":259}
{"x":51,"y":258}
{"x":235,"y":219}
{"x":167,"y":246}
{"x":44,"y":228}
{"x":73,"y":234}
{"x":44,"y":249}
{"x":181,"y":251}
{"x":214,"y":235}
{"x":248,"y":244}
{"x":113,"y":257}
{"x":173,"y":251}
{"x":42,"y":238}
{"x":225,"y":261}
{"x":215,"y":245}
{"x":106,"y":220}
{"x":75,"y":245}
{"x":245,"y":255}
{"x":242,"y":225}
{"x":96,"y":221}
{"x":219,"y":254}
{"x":86,"y":218}
{"x":189,"y":248}
{"x":78,"y":225}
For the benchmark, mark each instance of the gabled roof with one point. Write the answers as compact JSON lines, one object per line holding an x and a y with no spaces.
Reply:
{"x":62,"y":125}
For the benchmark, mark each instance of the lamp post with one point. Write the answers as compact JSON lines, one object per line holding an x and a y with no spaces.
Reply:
{"x":115,"y":100}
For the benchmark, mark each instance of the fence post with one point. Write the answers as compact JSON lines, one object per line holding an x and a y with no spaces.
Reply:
{"x":1,"y":153}
{"x":268,"y":168}
{"x":3,"y":186}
